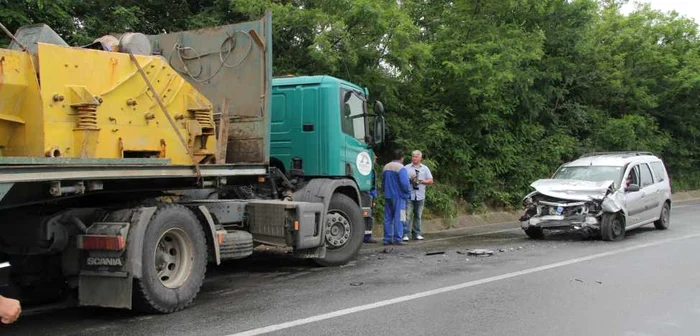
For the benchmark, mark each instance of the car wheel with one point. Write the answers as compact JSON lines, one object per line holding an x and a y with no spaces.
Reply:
{"x":534,"y":232}
{"x":665,"y":218}
{"x":612,"y":227}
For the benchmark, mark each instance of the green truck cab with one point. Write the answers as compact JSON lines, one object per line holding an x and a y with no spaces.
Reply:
{"x":321,"y":128}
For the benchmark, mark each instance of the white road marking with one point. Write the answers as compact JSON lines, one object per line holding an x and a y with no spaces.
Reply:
{"x":379,"y":304}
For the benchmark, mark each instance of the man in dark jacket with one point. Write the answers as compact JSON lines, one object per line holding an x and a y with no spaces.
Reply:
{"x":397,"y":189}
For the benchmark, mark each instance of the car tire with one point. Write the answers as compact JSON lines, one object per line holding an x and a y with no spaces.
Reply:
{"x":665,"y":218}
{"x":174,"y":261}
{"x":612,"y":227}
{"x":347,"y":215}
{"x":535,"y":232}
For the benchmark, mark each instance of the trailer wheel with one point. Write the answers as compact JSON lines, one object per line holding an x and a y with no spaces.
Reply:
{"x":344,"y":231}
{"x":174,"y":261}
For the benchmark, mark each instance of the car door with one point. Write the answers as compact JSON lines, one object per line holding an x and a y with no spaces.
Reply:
{"x":634,"y":200}
{"x":650,"y":193}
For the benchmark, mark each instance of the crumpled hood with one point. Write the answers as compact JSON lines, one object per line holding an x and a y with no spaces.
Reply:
{"x":574,"y":190}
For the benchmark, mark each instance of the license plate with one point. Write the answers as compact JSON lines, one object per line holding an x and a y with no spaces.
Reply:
{"x":560,"y":210}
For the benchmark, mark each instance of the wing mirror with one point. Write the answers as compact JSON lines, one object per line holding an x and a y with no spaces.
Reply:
{"x":633,"y":188}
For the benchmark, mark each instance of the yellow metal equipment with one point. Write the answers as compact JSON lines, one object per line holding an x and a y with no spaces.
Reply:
{"x":83,"y":103}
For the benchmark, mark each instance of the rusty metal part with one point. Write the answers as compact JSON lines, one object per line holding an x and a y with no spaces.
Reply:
{"x":224,"y":123}
{"x":87,"y":117}
{"x":204,"y":118}
{"x":12,"y":37}
{"x":167,"y":115}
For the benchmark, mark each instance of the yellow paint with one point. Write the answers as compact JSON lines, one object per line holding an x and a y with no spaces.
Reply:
{"x":94,"y":104}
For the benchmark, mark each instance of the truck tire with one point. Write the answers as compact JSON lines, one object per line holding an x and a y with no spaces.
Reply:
{"x":612,"y":227}
{"x":174,"y":261}
{"x":345,"y":230}
{"x":534,"y":232}
{"x":664,"y":218}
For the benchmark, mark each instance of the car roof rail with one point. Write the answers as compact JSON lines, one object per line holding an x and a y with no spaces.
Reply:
{"x":623,"y":154}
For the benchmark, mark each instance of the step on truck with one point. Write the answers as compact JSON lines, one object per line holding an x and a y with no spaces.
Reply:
{"x":130,"y":165}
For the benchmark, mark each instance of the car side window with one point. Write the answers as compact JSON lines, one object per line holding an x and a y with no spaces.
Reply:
{"x":659,"y":171}
{"x":647,"y":179}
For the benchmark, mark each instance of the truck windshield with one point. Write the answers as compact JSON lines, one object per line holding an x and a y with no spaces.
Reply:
{"x":590,"y":173}
{"x":352,"y":116}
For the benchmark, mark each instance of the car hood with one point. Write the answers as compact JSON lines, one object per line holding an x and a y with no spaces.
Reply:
{"x":574,"y":190}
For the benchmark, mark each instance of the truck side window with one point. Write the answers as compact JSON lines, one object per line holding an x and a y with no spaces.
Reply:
{"x":352,"y":120}
{"x":647,"y":179}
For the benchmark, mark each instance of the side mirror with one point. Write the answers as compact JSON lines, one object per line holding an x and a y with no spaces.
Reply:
{"x":633,"y":188}
{"x":347,"y":96}
{"x":379,"y":130}
{"x":378,"y":108}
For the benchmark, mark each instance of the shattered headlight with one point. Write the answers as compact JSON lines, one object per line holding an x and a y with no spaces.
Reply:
{"x":593,"y":207}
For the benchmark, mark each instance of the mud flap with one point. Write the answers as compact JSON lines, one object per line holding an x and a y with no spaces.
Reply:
{"x":112,"y":287}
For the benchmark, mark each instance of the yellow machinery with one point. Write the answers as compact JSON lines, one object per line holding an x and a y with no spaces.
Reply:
{"x":83,"y":103}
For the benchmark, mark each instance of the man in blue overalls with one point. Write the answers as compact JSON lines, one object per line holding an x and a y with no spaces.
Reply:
{"x":397,"y":189}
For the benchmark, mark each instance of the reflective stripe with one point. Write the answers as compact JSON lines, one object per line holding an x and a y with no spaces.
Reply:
{"x":368,"y":232}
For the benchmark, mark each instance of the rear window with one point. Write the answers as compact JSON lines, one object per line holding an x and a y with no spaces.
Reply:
{"x":659,"y":171}
{"x":646,"y":175}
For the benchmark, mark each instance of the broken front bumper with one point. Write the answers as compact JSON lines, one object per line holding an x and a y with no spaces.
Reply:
{"x":576,"y":222}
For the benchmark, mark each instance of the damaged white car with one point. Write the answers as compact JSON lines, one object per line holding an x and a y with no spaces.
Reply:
{"x":603,"y":194}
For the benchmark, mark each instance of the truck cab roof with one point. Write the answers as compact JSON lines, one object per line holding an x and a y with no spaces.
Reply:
{"x":314,"y":80}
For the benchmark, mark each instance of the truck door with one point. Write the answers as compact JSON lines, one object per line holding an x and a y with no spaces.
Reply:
{"x":358,"y":158}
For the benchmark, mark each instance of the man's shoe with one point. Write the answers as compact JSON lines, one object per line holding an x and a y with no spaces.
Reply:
{"x":371,"y":241}
{"x":419,"y":237}
{"x":405,"y":238}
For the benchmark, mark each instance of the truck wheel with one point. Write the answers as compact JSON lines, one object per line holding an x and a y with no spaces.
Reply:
{"x":174,"y":261}
{"x":534,"y":232}
{"x":344,"y":231}
{"x":612,"y":227}
{"x":665,"y":218}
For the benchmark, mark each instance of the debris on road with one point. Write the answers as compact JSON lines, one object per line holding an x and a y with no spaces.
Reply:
{"x":502,"y":250}
{"x":461,"y":252}
{"x":599,"y":282}
{"x":434,"y":253}
{"x":481,"y":252}
{"x":355,"y":284}
{"x":579,"y":280}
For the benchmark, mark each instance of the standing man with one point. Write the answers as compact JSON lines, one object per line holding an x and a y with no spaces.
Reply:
{"x":397,"y":190}
{"x":420,"y":177}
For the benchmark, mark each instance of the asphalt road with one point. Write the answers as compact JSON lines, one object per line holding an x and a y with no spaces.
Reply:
{"x":648,"y":284}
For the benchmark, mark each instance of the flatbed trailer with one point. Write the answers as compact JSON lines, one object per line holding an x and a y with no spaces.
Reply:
{"x":123,"y":176}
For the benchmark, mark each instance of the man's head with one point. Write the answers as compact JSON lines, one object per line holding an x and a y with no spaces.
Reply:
{"x":416,"y":157}
{"x":398,"y":155}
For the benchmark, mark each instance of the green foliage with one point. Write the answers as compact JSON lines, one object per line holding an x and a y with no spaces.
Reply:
{"x":495,"y":93}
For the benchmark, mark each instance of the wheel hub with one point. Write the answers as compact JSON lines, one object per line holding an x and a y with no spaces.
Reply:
{"x":617,"y":227}
{"x":338,"y":230}
{"x":173,"y":258}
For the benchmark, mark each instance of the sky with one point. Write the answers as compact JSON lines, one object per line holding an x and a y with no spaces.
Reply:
{"x":689,"y":8}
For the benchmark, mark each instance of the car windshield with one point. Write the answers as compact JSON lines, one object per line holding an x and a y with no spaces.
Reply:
{"x":590,"y":173}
